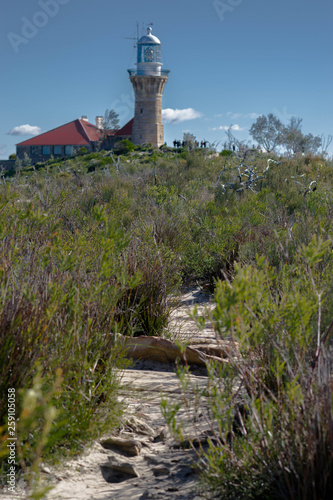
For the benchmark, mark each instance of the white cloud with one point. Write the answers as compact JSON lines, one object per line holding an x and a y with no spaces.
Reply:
{"x":180,"y":115}
{"x":25,"y":130}
{"x":235,"y":127}
{"x":235,"y":116}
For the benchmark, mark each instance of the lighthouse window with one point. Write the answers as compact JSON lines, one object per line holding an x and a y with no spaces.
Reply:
{"x":46,"y":150}
{"x":141,"y":110}
{"x":149,"y":54}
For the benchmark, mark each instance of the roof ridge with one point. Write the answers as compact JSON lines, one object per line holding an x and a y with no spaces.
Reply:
{"x":83,"y":128}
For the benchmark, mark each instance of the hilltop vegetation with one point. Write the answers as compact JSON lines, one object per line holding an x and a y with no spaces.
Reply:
{"x":100,"y":244}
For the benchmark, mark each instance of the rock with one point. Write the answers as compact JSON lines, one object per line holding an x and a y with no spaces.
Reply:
{"x":163,"y":351}
{"x":130,"y":447}
{"x":139,"y":426}
{"x":45,"y":469}
{"x":164,"y":434}
{"x":125,"y":467}
{"x":116,"y":472}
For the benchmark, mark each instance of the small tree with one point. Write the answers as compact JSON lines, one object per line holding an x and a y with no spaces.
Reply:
{"x":296,"y":142}
{"x":17,"y":164}
{"x":325,"y":142}
{"x":12,"y":156}
{"x":26,"y":160}
{"x":111,"y":119}
{"x":189,"y":140}
{"x":267,"y":131}
{"x":234,"y":144}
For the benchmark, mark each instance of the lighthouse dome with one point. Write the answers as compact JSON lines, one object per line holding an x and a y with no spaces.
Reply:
{"x":149,"y":38}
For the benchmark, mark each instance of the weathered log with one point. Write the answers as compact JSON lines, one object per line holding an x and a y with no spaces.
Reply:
{"x":165,"y":351}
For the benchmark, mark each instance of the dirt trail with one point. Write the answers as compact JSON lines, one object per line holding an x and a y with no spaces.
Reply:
{"x":149,"y":464}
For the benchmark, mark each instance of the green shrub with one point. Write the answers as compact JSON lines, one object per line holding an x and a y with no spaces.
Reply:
{"x":226,"y":152}
{"x":123,"y":147}
{"x":147,"y":307}
{"x":271,"y":405}
{"x":59,"y":296}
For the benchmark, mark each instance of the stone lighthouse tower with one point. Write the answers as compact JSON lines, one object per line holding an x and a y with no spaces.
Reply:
{"x":148,"y":80}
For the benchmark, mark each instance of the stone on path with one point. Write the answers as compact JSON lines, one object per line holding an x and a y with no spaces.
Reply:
{"x":116,"y":472}
{"x":130,"y":447}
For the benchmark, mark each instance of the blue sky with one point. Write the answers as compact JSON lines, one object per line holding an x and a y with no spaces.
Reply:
{"x":230,"y":61}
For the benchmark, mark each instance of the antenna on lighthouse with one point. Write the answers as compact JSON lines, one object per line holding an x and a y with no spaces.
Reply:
{"x":134,"y":38}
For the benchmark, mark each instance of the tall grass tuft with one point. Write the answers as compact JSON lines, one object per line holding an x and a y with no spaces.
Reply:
{"x":147,"y":307}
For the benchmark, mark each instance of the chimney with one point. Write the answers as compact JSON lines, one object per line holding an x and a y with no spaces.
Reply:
{"x":99,"y":122}
{"x":84,"y":118}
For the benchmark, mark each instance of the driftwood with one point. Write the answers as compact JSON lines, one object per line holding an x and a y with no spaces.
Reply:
{"x":165,"y":351}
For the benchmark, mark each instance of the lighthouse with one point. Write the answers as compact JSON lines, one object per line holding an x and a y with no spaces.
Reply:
{"x":148,"y":80}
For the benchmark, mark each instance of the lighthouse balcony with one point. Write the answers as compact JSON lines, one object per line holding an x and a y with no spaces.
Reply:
{"x":136,"y":72}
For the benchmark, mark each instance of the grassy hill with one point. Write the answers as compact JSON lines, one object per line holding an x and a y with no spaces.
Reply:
{"x":98,"y":244}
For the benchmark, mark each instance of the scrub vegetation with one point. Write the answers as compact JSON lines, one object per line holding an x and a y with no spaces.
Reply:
{"x":100,"y":244}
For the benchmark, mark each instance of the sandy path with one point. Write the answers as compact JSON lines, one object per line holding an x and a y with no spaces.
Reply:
{"x":161,"y":470}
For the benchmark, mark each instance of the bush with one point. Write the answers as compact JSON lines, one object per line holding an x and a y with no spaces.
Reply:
{"x":271,"y":405}
{"x":147,"y":307}
{"x":226,"y":152}
{"x":58,"y":307}
{"x":123,"y":147}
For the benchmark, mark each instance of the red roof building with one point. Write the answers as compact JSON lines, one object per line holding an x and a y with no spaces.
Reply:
{"x":126,"y":130}
{"x":70,"y":138}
